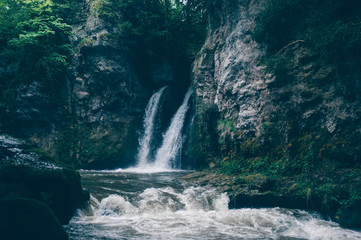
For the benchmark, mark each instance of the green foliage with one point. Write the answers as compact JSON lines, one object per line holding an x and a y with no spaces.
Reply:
{"x":260,"y":164}
{"x":79,"y":145}
{"x":230,"y":166}
{"x":329,"y":34}
{"x":338,"y":191}
{"x":225,"y":128}
{"x":277,"y":22}
{"x":157,"y":30}
{"x":33,"y":39}
{"x":86,"y":42}
{"x":269,"y":132}
{"x":155,"y":20}
{"x":202,"y":147}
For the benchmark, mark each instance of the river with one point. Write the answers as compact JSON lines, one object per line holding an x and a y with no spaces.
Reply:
{"x":130,"y":205}
{"x":148,"y":201}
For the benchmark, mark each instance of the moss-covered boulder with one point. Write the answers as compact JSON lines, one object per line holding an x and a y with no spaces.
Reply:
{"x":23,"y":218}
{"x":350,"y":216}
{"x":60,"y":189}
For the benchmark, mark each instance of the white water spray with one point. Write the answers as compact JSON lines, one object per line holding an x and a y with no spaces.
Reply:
{"x":148,"y":124}
{"x":153,"y":207}
{"x":166,"y":157}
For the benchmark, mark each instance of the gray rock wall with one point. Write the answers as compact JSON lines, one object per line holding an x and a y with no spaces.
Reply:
{"x":107,"y":98}
{"x":255,"y":108}
{"x":92,"y":118}
{"x":228,"y":72}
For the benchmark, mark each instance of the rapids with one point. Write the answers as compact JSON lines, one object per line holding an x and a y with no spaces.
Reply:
{"x":148,"y":201}
{"x":129,"y":205}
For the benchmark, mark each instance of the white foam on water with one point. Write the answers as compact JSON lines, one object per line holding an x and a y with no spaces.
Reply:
{"x":201,"y":213}
{"x":146,"y":168}
{"x":149,"y":125}
{"x":167,"y":156}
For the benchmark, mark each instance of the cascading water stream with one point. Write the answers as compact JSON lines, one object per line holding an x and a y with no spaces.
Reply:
{"x":148,"y":124}
{"x":166,"y":157}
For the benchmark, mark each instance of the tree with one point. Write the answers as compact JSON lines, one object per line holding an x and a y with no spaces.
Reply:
{"x":35,"y":39}
{"x":32,"y":35}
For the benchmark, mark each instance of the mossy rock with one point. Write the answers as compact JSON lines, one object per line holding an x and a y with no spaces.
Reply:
{"x":256,"y":182}
{"x":23,"y":218}
{"x":350,"y":217}
{"x":60,"y":189}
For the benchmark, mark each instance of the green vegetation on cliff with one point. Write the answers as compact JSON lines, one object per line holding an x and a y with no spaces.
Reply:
{"x":79,"y":146}
{"x":48,"y":47}
{"x":304,"y":130}
{"x":317,"y":44}
{"x":34,"y":45}
{"x":330,"y":31}
{"x":157,"y":31}
{"x":155,"y":25}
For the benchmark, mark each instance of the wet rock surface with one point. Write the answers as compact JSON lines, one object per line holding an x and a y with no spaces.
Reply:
{"x":97,"y":104}
{"x":24,"y":174}
{"x":228,"y":72}
{"x":14,"y":152}
{"x":259,"y":107}
{"x":23,"y":218}
{"x":296,"y":121}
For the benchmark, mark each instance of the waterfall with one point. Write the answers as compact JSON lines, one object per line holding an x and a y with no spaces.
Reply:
{"x":148,"y":124}
{"x":168,"y":153}
{"x":166,"y":157}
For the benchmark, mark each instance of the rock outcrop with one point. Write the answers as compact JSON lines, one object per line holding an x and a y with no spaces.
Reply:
{"x":93,"y":116}
{"x":90,"y":119}
{"x":262,"y":109}
{"x":25,"y":174}
{"x":107,"y":99}
{"x":261,"y":191}
{"x":230,"y":84}
{"x":23,"y":218}
{"x":286,"y":110}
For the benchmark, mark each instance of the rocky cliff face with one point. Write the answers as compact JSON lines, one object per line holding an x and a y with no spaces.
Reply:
{"x":285,"y":114}
{"x":287,"y":105}
{"x":228,"y":72}
{"x":107,"y":99}
{"x":229,"y":82}
{"x":91,"y":119}
{"x":301,"y":109}
{"x":109,"y":90}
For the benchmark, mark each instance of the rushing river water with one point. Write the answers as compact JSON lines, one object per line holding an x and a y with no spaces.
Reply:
{"x":128,"y":205}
